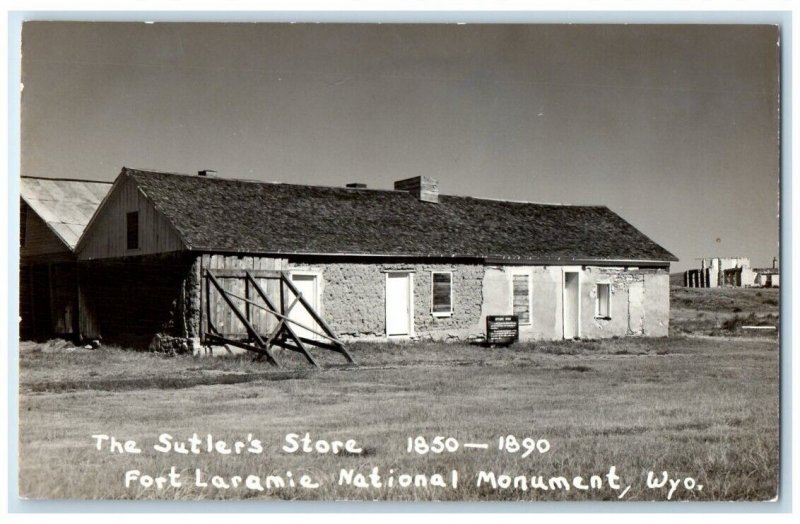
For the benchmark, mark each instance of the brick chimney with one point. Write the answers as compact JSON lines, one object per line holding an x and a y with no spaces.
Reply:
{"x":426,"y":189}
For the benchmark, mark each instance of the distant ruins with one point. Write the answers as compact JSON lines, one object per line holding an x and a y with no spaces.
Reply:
{"x":731,"y":272}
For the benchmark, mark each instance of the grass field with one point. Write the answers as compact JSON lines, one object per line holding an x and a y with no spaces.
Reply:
{"x":724,"y":311}
{"x":695,"y":405}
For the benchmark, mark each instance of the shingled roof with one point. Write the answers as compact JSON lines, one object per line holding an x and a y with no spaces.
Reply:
{"x":224,"y":215}
{"x":65,"y":205}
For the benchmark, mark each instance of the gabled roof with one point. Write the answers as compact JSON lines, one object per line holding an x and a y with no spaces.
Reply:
{"x":65,"y":205}
{"x":239,"y":216}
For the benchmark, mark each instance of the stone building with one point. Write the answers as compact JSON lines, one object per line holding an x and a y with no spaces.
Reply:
{"x":730,"y":272}
{"x":768,"y":276}
{"x":408,"y":263}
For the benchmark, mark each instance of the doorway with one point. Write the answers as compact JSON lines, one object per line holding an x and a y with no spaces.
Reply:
{"x":399,"y":304}
{"x":308,"y":285}
{"x":572,"y":299}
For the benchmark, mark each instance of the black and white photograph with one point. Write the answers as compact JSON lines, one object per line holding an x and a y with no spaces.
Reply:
{"x":465,"y":262}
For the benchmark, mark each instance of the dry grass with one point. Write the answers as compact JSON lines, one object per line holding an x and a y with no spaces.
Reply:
{"x":724,"y":311}
{"x":700,"y":406}
{"x":705,"y":407}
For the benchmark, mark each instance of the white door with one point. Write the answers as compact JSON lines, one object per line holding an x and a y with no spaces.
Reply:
{"x":307,"y":285}
{"x":571,"y":305}
{"x":398,"y":304}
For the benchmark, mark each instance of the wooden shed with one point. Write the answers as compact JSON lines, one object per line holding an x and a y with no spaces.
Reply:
{"x":53,"y":216}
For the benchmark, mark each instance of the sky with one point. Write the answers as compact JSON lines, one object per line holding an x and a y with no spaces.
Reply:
{"x":675,"y":128}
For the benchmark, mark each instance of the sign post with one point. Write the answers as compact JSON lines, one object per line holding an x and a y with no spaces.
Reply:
{"x":502,"y":330}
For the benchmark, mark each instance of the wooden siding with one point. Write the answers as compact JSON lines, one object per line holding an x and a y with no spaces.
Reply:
{"x":221,"y":315}
{"x":106,"y":236}
{"x":39,"y":239}
{"x":522,"y":300}
{"x":48,"y":299}
{"x":130,"y":300}
{"x":87,"y":321}
{"x":65,"y":205}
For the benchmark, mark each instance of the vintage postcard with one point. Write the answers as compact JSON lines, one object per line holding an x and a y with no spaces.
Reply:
{"x":399,"y":262}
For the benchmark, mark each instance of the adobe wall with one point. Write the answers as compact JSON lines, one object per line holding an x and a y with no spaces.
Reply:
{"x":354,"y":294}
{"x":656,"y":312}
{"x":639,"y":300}
{"x":159,"y":298}
{"x":354,"y":298}
{"x":545,"y":299}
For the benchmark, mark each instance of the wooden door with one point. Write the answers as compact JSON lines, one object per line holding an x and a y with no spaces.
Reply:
{"x":398,"y":304}
{"x":308,"y":285}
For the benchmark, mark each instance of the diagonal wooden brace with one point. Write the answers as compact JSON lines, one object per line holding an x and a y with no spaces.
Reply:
{"x":250,"y":329}
{"x":282,"y":325}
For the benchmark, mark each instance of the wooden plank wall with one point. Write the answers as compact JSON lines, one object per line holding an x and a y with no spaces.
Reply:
{"x":107,"y":237}
{"x":39,"y":239}
{"x":87,"y":323}
{"x":521,"y":306}
{"x":64,"y":298}
{"x":222,"y":316}
{"x":48,"y":297}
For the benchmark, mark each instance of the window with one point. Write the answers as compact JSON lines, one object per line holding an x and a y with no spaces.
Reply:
{"x":442,"y":294}
{"x":132,"y":226}
{"x":602,"y":308}
{"x":522,"y":298}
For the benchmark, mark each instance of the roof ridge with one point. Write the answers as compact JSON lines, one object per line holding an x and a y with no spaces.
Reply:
{"x":263,"y":182}
{"x":553,"y":204}
{"x":352,"y":189}
{"x":67,"y":179}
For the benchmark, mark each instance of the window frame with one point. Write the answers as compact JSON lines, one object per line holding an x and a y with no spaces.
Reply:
{"x":138,"y":246}
{"x":529,"y":276}
{"x":441,"y":314}
{"x":597,"y":314}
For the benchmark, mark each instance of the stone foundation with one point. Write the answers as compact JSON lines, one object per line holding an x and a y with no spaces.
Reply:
{"x":171,"y":345}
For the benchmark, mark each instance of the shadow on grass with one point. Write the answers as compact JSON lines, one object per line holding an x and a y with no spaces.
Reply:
{"x":160,"y":382}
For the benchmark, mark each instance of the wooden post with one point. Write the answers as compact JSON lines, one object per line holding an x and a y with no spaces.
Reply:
{"x":282,"y":325}
{"x":32,"y":281}
{"x":247,"y":310}
{"x":53,"y":321}
{"x":283,"y":335}
{"x":314,"y":315}
{"x":282,"y":297}
{"x":76,"y":323}
{"x":285,"y":326}
{"x":325,"y":327}
{"x":182,"y":308}
{"x":242,"y":319}
{"x":209,"y":321}
{"x":201,"y":325}
{"x":285,"y":318}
